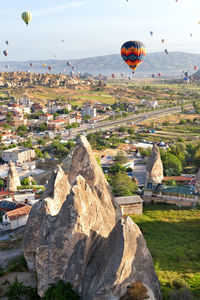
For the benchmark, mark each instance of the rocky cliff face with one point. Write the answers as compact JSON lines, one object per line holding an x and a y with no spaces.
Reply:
{"x":76,"y":233}
{"x":154,"y":170}
{"x":197,"y":185}
{"x":13,"y":180}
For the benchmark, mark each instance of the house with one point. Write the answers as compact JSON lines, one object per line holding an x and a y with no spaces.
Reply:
{"x":181,"y":180}
{"x":46,"y":117}
{"x":18,"y":154}
{"x":19,"y":121}
{"x":17,"y":217}
{"x":130,"y":205}
{"x":8,"y":205}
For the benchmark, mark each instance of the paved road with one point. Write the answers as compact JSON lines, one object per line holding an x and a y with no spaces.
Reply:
{"x":134,"y":118}
{"x":139,"y":171}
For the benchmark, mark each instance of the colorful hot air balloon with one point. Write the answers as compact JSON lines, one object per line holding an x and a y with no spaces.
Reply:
{"x":26,"y":17}
{"x":5,"y":53}
{"x":69,"y":64}
{"x":7,"y":42}
{"x":113,"y":75}
{"x":31,"y":65}
{"x":159,"y":74}
{"x":151,"y":33}
{"x":49,"y":68}
{"x":163,"y":41}
{"x":195,"y":67}
{"x":133,"y":53}
{"x":44,"y":65}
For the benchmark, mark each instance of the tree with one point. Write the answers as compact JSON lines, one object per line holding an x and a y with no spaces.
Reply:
{"x":43,"y":127}
{"x":122,"y":184}
{"x":38,"y":153}
{"x":172,"y":165}
{"x":22,"y":128}
{"x":116,"y":168}
{"x":121,"y":157}
{"x":25,"y":181}
{"x":131,"y":131}
{"x":86,"y":118}
{"x":122,"y":129}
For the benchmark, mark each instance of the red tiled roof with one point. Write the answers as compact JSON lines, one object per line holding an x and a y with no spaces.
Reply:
{"x":178,"y":178}
{"x":18,"y":212}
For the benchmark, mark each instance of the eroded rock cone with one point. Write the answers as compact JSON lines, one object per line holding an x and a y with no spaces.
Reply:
{"x":13,"y":180}
{"x":76,"y":234}
{"x":154,"y":170}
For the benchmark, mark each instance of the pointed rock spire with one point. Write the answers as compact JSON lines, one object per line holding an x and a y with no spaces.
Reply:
{"x":154,"y":170}
{"x":13,"y":180}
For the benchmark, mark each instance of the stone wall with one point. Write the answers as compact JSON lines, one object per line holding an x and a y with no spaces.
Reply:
{"x":131,"y":209}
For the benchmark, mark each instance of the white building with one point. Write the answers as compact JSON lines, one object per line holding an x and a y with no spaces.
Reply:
{"x":25,"y":102}
{"x":17,"y":217}
{"x":89,"y":110}
{"x":18,"y":154}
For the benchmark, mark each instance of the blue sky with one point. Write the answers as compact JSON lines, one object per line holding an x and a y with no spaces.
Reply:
{"x":96,"y":27}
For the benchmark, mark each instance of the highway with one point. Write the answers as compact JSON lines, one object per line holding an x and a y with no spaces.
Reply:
{"x":136,"y":119}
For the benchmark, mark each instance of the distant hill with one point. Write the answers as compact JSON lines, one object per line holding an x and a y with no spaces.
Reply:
{"x":171,"y":64}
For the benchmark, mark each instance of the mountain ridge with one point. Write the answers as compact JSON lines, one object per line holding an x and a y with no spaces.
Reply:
{"x":171,"y":64}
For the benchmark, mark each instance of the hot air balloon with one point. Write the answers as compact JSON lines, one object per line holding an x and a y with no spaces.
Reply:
{"x":191,"y":34}
{"x":54,"y":56}
{"x":44,"y":65}
{"x":163,"y":41}
{"x":62,"y":41}
{"x":26,"y":17}
{"x":166,"y":51}
{"x":7,"y":66}
{"x":199,"y":22}
{"x":122,"y":75}
{"x":5,"y":53}
{"x":153,"y":75}
{"x":31,"y":65}
{"x":151,"y":33}
{"x":133,"y":53}
{"x":113,"y":75}
{"x":73,"y":69}
{"x":7,"y":42}
{"x":49,"y":68}
{"x":159,"y":74}
{"x":195,"y":67}
{"x":69,"y":64}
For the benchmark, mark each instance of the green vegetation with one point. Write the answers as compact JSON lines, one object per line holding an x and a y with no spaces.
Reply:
{"x":122,"y":184}
{"x":18,"y":291}
{"x":173,"y":238}
{"x":60,"y":291}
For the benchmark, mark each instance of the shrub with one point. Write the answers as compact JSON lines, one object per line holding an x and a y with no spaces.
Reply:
{"x":60,"y":291}
{"x":18,"y":291}
{"x":178,"y":283}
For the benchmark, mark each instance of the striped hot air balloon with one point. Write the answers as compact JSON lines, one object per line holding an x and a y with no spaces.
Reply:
{"x":133,"y":53}
{"x":26,"y":17}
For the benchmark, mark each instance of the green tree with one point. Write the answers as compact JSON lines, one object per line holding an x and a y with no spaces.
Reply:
{"x":172,"y":165}
{"x":121,"y":157}
{"x":43,"y":127}
{"x":131,"y":131}
{"x":122,"y":129}
{"x":86,"y":118}
{"x":122,"y":184}
{"x":17,"y":291}
{"x":22,"y":128}
{"x":25,"y":181}
{"x":38,"y":153}
{"x":116,"y":168}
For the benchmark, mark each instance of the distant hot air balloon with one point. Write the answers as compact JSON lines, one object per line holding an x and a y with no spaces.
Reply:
{"x":153,"y":75}
{"x":166,"y":51}
{"x":163,"y":41}
{"x":122,"y":75}
{"x":26,"y":17}
{"x":199,"y":22}
{"x":195,"y":67}
{"x":49,"y":68}
{"x":7,"y":66}
{"x":129,"y":78}
{"x":191,"y":34}
{"x":5,"y":53}
{"x":73,"y":69}
{"x":44,"y":65}
{"x":151,"y":33}
{"x":7,"y":42}
{"x":62,"y":41}
{"x":69,"y":64}
{"x":54,"y":56}
{"x":133,"y":53}
{"x":31,"y":65}
{"x":113,"y":75}
{"x":159,"y":74}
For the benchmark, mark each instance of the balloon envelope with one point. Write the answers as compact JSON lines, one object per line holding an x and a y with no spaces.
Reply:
{"x":133,"y":53}
{"x":5,"y":53}
{"x":26,"y":17}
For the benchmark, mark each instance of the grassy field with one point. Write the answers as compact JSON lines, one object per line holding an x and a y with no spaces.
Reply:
{"x":173,"y":238}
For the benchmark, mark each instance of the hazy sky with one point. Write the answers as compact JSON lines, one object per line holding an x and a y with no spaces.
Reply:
{"x":96,"y":27}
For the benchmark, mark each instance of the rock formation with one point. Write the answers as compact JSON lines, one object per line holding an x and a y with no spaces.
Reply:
{"x":154,"y":170}
{"x":76,"y":233}
{"x":13,"y":180}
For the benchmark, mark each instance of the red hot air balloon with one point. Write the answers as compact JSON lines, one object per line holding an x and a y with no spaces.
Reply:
{"x":162,"y":41}
{"x":31,"y":65}
{"x":49,"y":68}
{"x":195,"y":67}
{"x":159,"y":74}
{"x":113,"y":76}
{"x":5,"y":53}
